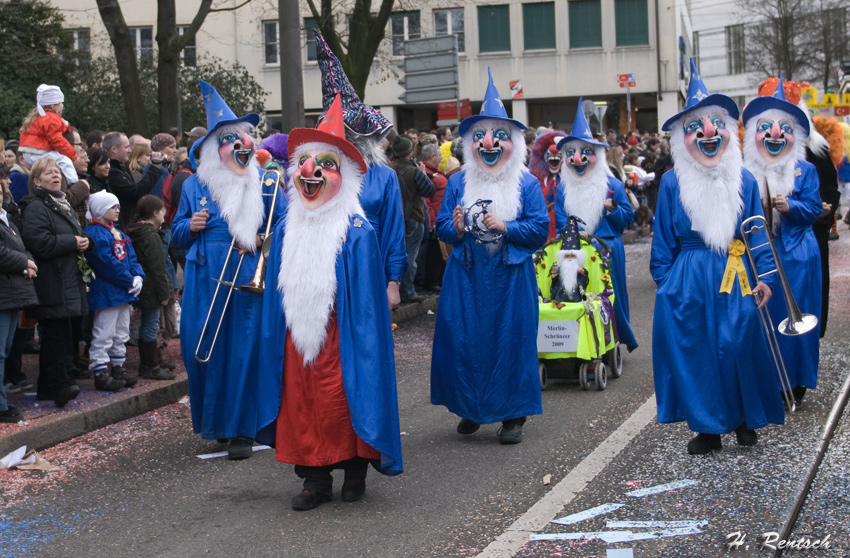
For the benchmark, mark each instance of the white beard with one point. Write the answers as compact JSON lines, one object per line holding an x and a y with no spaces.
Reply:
{"x":568,"y":269}
{"x":311,"y":244}
{"x":779,"y":175}
{"x":583,"y":197}
{"x":239,"y":198}
{"x":711,"y":197}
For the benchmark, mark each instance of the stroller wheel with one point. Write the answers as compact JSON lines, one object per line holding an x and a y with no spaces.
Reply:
{"x":614,"y":362}
{"x":582,"y":376}
{"x":601,"y":375}
{"x":544,"y":376}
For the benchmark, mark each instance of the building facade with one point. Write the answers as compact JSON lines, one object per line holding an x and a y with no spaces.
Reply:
{"x":558,"y":50}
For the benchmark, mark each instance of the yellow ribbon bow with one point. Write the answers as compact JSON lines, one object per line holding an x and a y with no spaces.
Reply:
{"x":735,"y":266}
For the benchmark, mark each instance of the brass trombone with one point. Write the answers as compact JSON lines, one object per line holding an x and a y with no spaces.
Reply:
{"x":796,"y":323}
{"x":257,"y":284}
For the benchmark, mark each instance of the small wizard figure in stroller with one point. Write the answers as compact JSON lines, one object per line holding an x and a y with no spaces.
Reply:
{"x":569,"y":277}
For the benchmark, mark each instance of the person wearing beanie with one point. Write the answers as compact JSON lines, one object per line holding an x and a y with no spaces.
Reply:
{"x":709,"y":357}
{"x":327,"y":371}
{"x":415,"y":185}
{"x":775,"y":137}
{"x":42,"y":132}
{"x":117,"y":282}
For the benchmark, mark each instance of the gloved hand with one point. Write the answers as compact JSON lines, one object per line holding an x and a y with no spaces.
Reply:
{"x":137,"y":286}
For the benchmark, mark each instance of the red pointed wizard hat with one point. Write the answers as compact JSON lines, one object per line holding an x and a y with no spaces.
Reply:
{"x":331,"y":130}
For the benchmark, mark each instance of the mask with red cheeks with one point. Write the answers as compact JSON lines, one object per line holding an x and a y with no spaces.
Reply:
{"x":775,"y":136}
{"x":236,"y":148}
{"x":492,"y":145}
{"x":579,"y":156}
{"x":317,"y":177}
{"x":553,"y":159}
{"x":706,"y":137}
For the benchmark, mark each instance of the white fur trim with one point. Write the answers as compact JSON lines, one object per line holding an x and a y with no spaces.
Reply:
{"x":239,"y":198}
{"x":816,"y":142}
{"x":311,"y":244}
{"x":583,"y":197}
{"x":711,"y":197}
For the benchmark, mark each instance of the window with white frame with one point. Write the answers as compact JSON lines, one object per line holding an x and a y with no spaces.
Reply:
{"x":271,"y":42}
{"x":141,"y":38}
{"x":81,"y":41}
{"x":312,"y":45}
{"x":189,"y":54}
{"x":735,"y":49}
{"x":403,"y":27}
{"x":448,"y":22}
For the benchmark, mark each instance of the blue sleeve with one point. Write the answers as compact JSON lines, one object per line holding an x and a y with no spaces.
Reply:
{"x":529,"y":231}
{"x":805,"y":203}
{"x":560,"y":212}
{"x":665,"y":245}
{"x":392,"y":230}
{"x":180,"y":234}
{"x":102,"y":259}
{"x":445,"y":225}
{"x":623,"y":215}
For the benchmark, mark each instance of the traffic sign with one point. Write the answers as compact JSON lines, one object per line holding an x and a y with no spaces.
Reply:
{"x":425,"y":80}
{"x":430,"y":68}
{"x":628,"y":84}
{"x":625,"y":78}
{"x":429,"y":45}
{"x":429,"y":95}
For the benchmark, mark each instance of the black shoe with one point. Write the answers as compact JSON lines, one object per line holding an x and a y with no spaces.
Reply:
{"x":746,"y":436}
{"x":104,"y":382}
{"x":240,"y":448}
{"x":222,"y":440}
{"x":309,"y":499}
{"x":66,"y":394}
{"x":510,"y":432}
{"x":79,"y":373}
{"x":704,"y":443}
{"x":120,"y":373}
{"x":833,"y":236}
{"x":155,"y":373}
{"x":466,"y":426}
{"x":353,"y":489}
{"x":13,"y":414}
{"x":799,"y":392}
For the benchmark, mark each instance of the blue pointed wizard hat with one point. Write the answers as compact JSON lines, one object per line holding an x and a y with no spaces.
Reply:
{"x":492,"y":107}
{"x":699,"y":97}
{"x":779,"y":102}
{"x":358,"y":117}
{"x":219,"y":114}
{"x":581,"y":130}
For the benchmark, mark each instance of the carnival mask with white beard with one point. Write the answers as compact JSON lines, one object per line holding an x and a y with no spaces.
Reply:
{"x":324,"y":188}
{"x":584,"y":178}
{"x":774,"y":142}
{"x":707,"y":162}
{"x":231,"y":172}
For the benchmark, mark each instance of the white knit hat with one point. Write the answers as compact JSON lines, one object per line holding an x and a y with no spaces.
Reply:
{"x":100,"y":203}
{"x":48,"y":95}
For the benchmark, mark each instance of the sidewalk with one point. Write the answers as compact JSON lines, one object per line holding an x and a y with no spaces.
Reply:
{"x":44,"y":425}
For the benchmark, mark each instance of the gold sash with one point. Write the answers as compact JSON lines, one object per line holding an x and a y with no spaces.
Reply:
{"x":735,"y":266}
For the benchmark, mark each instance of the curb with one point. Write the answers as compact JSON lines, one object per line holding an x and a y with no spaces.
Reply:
{"x":53,"y":432}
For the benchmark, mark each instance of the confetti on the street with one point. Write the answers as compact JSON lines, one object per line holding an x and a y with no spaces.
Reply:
{"x":661,"y":488}
{"x":587,"y":514}
{"x":655,"y":524}
{"x":547,"y":479}
{"x":611,"y":537}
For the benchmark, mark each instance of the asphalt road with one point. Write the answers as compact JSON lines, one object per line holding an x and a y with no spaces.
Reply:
{"x":137,"y":488}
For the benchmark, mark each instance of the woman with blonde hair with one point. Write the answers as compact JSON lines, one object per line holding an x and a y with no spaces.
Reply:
{"x":140,"y":156}
{"x":615,"y":162}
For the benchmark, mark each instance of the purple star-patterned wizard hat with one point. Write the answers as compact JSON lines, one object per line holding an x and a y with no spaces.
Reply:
{"x":358,"y":117}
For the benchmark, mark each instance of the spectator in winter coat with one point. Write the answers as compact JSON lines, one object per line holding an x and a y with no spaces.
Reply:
{"x":121,"y":181}
{"x":42,"y":132}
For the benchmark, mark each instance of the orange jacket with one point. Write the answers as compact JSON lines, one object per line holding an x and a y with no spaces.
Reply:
{"x":46,"y":133}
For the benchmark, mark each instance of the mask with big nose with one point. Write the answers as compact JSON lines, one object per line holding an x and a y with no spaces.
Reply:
{"x":580,"y":156}
{"x":317,"y":178}
{"x":774,"y":138}
{"x":236,"y":150}
{"x":492,"y":145}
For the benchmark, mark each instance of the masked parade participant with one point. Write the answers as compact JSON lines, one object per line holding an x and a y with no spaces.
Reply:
{"x":220,"y":204}
{"x":545,"y":163}
{"x":484,"y":363}
{"x":327,"y":365}
{"x":366,"y":128}
{"x":589,"y":191}
{"x":775,"y":152}
{"x":710,"y":362}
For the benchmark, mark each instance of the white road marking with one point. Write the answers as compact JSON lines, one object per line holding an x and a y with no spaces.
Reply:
{"x":587,"y":514}
{"x":655,"y":524}
{"x":612,"y":537}
{"x":620,"y":553}
{"x":223,"y":453}
{"x":661,"y":488}
{"x":541,"y":513}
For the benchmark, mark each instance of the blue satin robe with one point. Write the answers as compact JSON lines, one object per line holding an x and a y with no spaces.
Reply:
{"x":610,"y":229}
{"x":798,"y":251}
{"x":484,"y":362}
{"x":710,"y":361}
{"x":223,"y":392}
{"x":365,"y":344}
{"x":381,"y":201}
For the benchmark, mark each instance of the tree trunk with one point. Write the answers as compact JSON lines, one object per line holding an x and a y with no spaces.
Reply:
{"x":128,"y":70}
{"x":291,"y":81}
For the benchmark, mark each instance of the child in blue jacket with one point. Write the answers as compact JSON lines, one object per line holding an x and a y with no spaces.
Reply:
{"x":117,"y":282}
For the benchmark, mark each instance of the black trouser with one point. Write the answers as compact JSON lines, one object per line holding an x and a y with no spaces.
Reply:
{"x":56,"y":338}
{"x":14,"y":362}
{"x":435,"y":266}
{"x":319,"y":479}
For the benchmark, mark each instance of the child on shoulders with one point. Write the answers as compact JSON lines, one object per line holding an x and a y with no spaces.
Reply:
{"x":42,"y":132}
